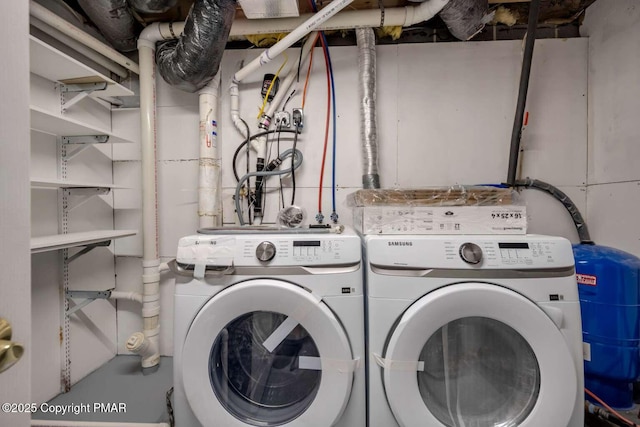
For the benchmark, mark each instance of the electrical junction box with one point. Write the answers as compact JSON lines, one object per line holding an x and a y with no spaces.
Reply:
{"x":262,"y":9}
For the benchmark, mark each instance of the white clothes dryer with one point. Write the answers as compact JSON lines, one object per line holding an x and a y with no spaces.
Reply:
{"x":473,"y":331}
{"x":269,"y":329}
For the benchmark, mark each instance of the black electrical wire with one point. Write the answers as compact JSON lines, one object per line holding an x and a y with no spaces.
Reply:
{"x":293,"y":172}
{"x":248,"y":182}
{"x":288,"y":99}
{"x":299,"y":64}
{"x":280,"y":176}
{"x":251,"y":138}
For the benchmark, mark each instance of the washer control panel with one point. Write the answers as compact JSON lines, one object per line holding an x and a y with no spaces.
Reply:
{"x":507,"y":253}
{"x":470,"y":253}
{"x":297,"y":251}
{"x":265,"y":251}
{"x":271,"y":249}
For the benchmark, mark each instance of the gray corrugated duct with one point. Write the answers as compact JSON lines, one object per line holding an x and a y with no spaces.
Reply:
{"x":465,"y":18}
{"x":192,"y":61}
{"x":152,"y":6}
{"x":114,"y":20}
{"x":368,"y":129}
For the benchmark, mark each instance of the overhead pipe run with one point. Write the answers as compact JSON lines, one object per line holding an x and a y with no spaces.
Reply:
{"x":296,"y":34}
{"x":350,"y":19}
{"x":77,"y":34}
{"x":516,"y":133}
{"x":90,"y":54}
{"x":114,"y":20}
{"x":366,"y":40}
{"x":190,"y":62}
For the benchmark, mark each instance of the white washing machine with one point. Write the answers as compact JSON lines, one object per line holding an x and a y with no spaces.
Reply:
{"x":473,"y":331}
{"x":269,"y":329}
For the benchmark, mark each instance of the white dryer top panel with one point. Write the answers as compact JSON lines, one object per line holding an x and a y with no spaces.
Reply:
{"x":272,"y":249}
{"x":469,"y":252}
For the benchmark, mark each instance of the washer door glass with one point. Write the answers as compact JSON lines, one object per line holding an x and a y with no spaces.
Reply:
{"x":479,"y":372}
{"x":257,"y":384}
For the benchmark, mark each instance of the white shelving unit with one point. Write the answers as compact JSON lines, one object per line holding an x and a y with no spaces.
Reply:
{"x":71,"y":108}
{"x":72,"y":240}
{"x":59,"y":183}
{"x":56,"y":124}
{"x":57,"y":66}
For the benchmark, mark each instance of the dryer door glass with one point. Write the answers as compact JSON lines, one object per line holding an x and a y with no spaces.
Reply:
{"x":479,"y":372}
{"x":261,"y":368}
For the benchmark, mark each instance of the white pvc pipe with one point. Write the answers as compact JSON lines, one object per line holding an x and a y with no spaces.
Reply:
{"x":50,"y":18}
{"x":209,"y":192}
{"x":150,"y":251}
{"x":299,"y":32}
{"x":234,"y":107}
{"x":81,"y":48}
{"x":67,"y":423}
{"x":131,"y":296}
{"x":288,"y":81}
{"x":351,"y":19}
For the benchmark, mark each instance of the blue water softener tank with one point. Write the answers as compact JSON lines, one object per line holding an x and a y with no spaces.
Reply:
{"x":609,"y":287}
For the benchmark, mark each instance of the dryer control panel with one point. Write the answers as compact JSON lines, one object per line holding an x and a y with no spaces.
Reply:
{"x":464,"y":252}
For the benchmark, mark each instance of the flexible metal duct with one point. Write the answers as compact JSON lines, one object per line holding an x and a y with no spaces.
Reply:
{"x":465,"y":18}
{"x":152,"y":6}
{"x":190,"y":62}
{"x":114,"y":20}
{"x":368,"y":128}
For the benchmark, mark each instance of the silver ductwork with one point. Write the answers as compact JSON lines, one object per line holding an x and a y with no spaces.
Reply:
{"x":114,"y":20}
{"x":368,"y":128}
{"x":152,"y":6}
{"x":465,"y":18}
{"x":190,"y":62}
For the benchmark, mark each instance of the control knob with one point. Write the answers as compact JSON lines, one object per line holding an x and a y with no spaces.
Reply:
{"x":265,"y":251}
{"x":471,"y":253}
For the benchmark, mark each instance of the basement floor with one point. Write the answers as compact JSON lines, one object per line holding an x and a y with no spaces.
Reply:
{"x":120,"y":381}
